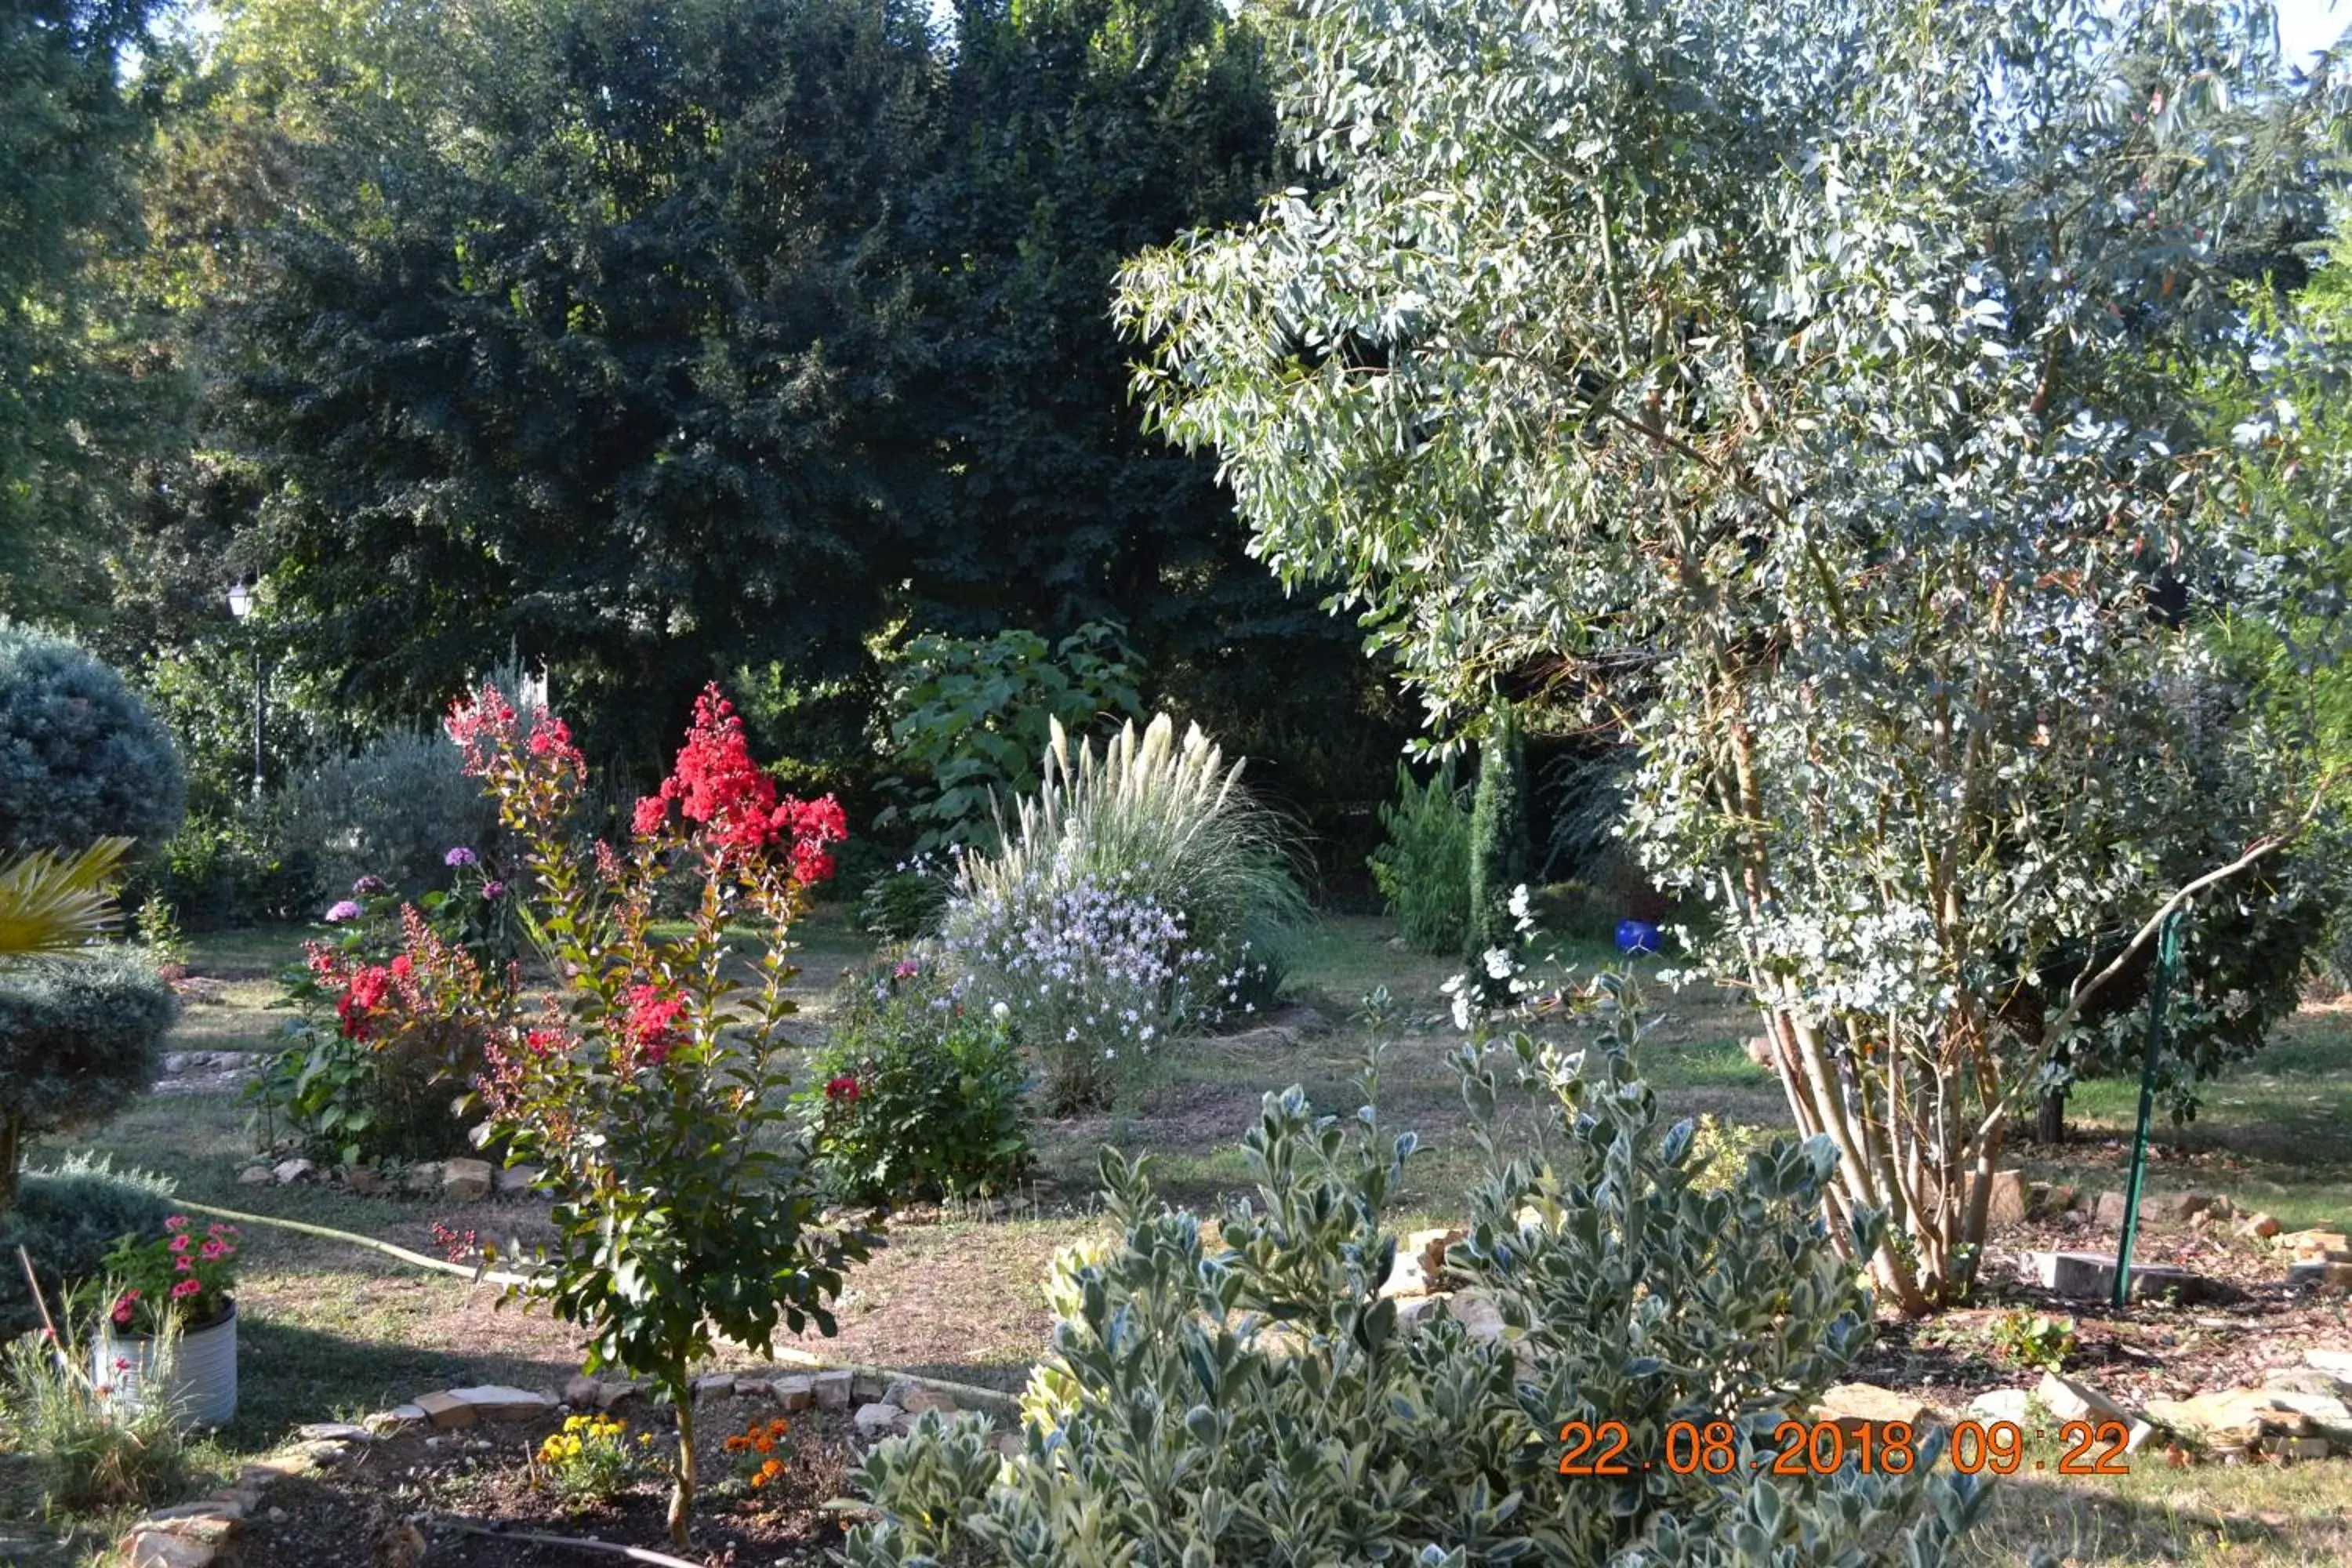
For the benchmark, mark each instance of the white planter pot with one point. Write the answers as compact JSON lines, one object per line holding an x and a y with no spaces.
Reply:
{"x":201,"y":1385}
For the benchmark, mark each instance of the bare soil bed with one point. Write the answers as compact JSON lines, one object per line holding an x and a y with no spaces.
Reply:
{"x":363,"y":1511}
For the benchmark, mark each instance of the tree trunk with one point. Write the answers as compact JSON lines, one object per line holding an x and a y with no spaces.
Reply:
{"x":681,"y":1492}
{"x":2050,"y":1118}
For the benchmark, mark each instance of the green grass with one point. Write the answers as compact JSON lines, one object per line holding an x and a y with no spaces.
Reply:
{"x":2251,"y":1516}
{"x":2274,"y":1133}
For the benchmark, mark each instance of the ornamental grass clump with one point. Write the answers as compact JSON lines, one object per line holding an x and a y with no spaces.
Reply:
{"x":90,"y":1451}
{"x":1245,"y":1393}
{"x":1139,"y":892}
{"x":652,"y":1085}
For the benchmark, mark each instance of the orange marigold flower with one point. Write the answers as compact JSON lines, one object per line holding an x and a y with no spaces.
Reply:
{"x":765,"y":1445}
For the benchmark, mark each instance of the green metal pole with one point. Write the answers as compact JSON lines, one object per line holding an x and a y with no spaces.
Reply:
{"x":2168,"y":967}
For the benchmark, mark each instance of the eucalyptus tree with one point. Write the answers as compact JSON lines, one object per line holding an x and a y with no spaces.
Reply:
{"x":1811,"y":392}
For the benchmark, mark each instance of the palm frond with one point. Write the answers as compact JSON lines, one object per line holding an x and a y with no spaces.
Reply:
{"x":54,"y":903}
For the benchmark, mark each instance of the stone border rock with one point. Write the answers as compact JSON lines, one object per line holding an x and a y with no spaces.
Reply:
{"x":459,"y":1181}
{"x":193,"y":1534}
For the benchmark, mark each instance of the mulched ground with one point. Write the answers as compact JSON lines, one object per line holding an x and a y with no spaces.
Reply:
{"x":360,"y":1513}
{"x":2244,"y":1321}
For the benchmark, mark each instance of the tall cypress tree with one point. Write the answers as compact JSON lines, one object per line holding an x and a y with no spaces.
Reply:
{"x":1500,"y":854}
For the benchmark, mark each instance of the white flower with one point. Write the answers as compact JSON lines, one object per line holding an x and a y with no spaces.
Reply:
{"x":1518,"y":905}
{"x":1000,"y":1012}
{"x":1462,"y":1010}
{"x":1498,"y":963}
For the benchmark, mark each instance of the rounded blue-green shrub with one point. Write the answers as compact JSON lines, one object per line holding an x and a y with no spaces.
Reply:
{"x":81,"y":756}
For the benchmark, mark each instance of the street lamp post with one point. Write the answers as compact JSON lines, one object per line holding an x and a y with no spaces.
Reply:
{"x":241,"y":604}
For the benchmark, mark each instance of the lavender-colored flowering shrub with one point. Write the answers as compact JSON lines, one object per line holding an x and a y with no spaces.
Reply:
{"x":1138,"y":895}
{"x":1093,"y":977}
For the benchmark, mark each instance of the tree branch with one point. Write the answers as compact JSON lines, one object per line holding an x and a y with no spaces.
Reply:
{"x":2087,"y":984}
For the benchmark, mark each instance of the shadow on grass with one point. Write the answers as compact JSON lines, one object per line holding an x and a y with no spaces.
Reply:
{"x":288,"y":1374}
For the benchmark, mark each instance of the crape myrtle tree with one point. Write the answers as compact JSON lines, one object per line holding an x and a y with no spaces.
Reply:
{"x":1811,"y":392}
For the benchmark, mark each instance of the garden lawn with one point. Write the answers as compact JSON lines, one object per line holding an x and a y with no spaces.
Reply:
{"x":330,"y":1331}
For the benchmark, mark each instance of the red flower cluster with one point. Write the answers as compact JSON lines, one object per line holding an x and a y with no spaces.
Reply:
{"x":370,"y":984}
{"x":455,"y":1245}
{"x":842,"y":1089}
{"x":653,"y":1021}
{"x":716,"y":784}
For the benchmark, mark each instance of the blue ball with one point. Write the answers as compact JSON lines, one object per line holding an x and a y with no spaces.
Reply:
{"x":1637,"y":936}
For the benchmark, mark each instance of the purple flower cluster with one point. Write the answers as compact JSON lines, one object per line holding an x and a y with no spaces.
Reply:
{"x":1094,"y":974}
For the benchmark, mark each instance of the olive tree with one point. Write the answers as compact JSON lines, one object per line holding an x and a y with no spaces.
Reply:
{"x":1810,"y":392}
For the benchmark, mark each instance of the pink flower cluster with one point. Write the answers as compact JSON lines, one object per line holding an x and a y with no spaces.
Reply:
{"x":179,"y":1268}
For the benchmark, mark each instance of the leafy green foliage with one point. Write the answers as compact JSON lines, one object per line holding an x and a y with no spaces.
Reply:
{"x":1242,"y":1390}
{"x":75,"y":411}
{"x":969,"y":718}
{"x":1424,"y":868}
{"x":81,"y":757}
{"x":391,"y":810}
{"x":230,"y":870}
{"x":2032,"y":1340}
{"x":906,"y":901}
{"x":157,"y":929}
{"x":1500,"y":854}
{"x":81,"y":1037}
{"x":915,"y":1095}
{"x":701,"y":340}
{"x":1743,"y":403}
{"x":66,"y":1218}
{"x":618,"y":337}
